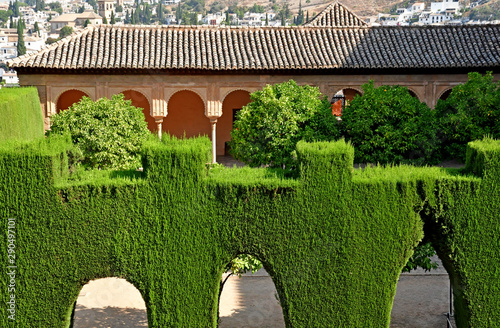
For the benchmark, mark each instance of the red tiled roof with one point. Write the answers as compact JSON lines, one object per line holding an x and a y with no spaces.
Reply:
{"x":335,"y":39}
{"x":336,"y":15}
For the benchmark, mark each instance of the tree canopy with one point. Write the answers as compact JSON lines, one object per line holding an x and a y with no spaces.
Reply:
{"x":267,"y":130}
{"x":470,"y":112}
{"x":108,"y":132}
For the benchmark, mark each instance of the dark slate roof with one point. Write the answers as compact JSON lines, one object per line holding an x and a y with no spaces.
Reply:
{"x":230,"y":48}
{"x":336,"y":15}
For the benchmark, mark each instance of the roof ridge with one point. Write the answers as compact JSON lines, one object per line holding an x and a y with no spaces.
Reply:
{"x":330,"y":16}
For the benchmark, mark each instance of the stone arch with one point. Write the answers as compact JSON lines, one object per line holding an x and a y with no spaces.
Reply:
{"x":445,"y":94}
{"x":231,"y":103}
{"x":339,"y":98}
{"x":69,"y":97}
{"x":252,"y":296}
{"x":351,"y":92}
{"x":186,"y":115}
{"x":413,"y":93}
{"x":110,"y":302}
{"x":191,"y":90}
{"x":141,"y":100}
{"x":234,"y":90}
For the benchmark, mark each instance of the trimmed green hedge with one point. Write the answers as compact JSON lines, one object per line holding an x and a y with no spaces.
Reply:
{"x":20,"y":114}
{"x":334,"y":240}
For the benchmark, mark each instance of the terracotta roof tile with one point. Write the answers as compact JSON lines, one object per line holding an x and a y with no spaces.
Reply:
{"x":336,"y":15}
{"x":270,"y":48}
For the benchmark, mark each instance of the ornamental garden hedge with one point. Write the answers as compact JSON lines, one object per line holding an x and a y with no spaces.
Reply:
{"x":334,"y":239}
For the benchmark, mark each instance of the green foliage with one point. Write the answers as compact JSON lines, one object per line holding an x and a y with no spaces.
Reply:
{"x":388,"y":125}
{"x":65,"y":31}
{"x":244,"y":263}
{"x":257,"y":9}
{"x":334,"y":240}
{"x":267,"y":129}
{"x":51,"y":40}
{"x":21,"y":114}
{"x":21,"y":48}
{"x":487,"y":12}
{"x":4,"y":15}
{"x":216,"y":7}
{"x":56,"y":6}
{"x":421,"y":258}
{"x":470,"y":112}
{"x":109,"y":132}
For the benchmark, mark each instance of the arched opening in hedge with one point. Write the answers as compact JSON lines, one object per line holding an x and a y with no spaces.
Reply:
{"x":110,"y":302}
{"x":68,"y":98}
{"x":186,"y":115}
{"x":232,"y":103}
{"x":140,"y":100}
{"x":422,"y":298}
{"x":249,"y":300}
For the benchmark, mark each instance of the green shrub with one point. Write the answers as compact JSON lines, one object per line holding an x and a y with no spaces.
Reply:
{"x":20,"y":114}
{"x":470,"y":112}
{"x":388,"y":125}
{"x":267,"y":129}
{"x":334,"y":240}
{"x":109,"y":132}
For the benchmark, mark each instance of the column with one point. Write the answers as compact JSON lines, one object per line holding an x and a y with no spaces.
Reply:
{"x":213,"y":123}
{"x":158,"y":121}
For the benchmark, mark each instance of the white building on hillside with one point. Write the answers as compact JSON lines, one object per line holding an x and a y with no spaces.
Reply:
{"x":418,"y":7}
{"x":437,"y":7}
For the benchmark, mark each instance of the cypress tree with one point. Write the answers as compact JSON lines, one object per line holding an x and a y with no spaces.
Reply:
{"x":36,"y":28}
{"x":307,"y":19}
{"x":267,"y":19}
{"x":127,"y":18}
{"x":132,"y":19}
{"x":87,"y":22}
{"x":113,"y":18}
{"x":160,"y":12}
{"x":21,"y":48}
{"x":104,"y":20}
{"x":12,"y":24}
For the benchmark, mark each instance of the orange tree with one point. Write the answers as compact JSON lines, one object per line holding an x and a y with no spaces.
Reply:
{"x":470,"y":112}
{"x":268,"y":128}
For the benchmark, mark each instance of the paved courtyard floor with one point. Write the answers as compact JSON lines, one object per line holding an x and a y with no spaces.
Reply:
{"x":421,"y":301}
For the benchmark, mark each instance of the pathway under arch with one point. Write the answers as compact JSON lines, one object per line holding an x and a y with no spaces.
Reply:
{"x":68,"y":98}
{"x":250,"y":301}
{"x":232,"y":103}
{"x":186,"y":116}
{"x":139,"y":100}
{"x":109,"y":302}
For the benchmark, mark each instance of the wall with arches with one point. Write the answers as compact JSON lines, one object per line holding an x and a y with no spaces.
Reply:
{"x":334,"y":240}
{"x":68,"y":98}
{"x":186,"y":115}
{"x":139,"y":100}
{"x":233,"y":102}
